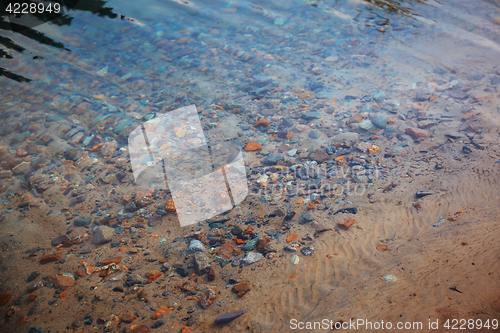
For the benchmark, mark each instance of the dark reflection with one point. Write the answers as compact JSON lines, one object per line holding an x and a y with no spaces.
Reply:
{"x":24,"y":25}
{"x":394,"y":7}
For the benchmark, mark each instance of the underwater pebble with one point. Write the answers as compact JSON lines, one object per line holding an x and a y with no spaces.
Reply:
{"x":103,"y":234}
{"x":252,"y":258}
{"x":307,"y":250}
{"x":196,"y":246}
{"x":295,"y":259}
{"x":229,"y":317}
{"x":306,"y":217}
{"x":389,"y":278}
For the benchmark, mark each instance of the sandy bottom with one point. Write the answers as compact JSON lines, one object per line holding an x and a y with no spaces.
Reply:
{"x":445,"y":272}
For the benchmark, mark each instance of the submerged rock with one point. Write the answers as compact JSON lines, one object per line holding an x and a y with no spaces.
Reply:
{"x":229,"y":317}
{"x":347,"y":138}
{"x":103,"y":234}
{"x":306,"y":217}
{"x":196,"y":246}
{"x":202,"y":262}
{"x":251,"y":258}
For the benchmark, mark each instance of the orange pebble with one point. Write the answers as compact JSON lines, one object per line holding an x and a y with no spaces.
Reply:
{"x":300,"y":201}
{"x":113,"y":260}
{"x":21,"y":152}
{"x":239,"y":241}
{"x":340,"y":158}
{"x":154,"y":277}
{"x":253,"y":146}
{"x":262,"y":122}
{"x":291,"y":238}
{"x":290,"y":136}
{"x":160,"y":312}
{"x":311,"y":206}
{"x":185,"y":329}
{"x":98,"y":147}
{"x":433,"y":98}
{"x":292,"y":276}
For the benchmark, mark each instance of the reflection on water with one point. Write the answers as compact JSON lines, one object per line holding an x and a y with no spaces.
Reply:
{"x":343,"y":109}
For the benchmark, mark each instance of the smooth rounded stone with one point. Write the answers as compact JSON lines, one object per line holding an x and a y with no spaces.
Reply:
{"x":380,"y":122}
{"x":77,"y":137}
{"x":108,"y":178}
{"x":315,"y":196}
{"x":447,"y":86}
{"x":201,"y":262}
{"x":458,"y":94}
{"x":237,"y":231}
{"x":280,"y":21}
{"x":416,"y":133}
{"x":35,"y":330}
{"x":306,"y":217}
{"x":196,"y":246}
{"x":399,"y":151}
{"x":21,"y":168}
{"x":269,"y":112}
{"x":316,"y":71}
{"x":229,"y":317}
{"x":103,"y":234}
{"x":454,"y":135}
{"x":475,"y":77}
{"x":311,"y":115}
{"x":182,"y":271}
{"x":316,"y":86}
{"x":261,"y":80}
{"x":87,"y":140}
{"x":308,"y":250}
{"x":252,"y":258}
{"x":466,"y":150}
{"x":251,"y":244}
{"x":272,"y":159}
{"x":366,"y":124}
{"x":285,"y":123}
{"x":59,"y":240}
{"x":347,"y":138}
{"x":21,"y":136}
{"x":324,"y":95}
{"x":320,"y":156}
{"x":295,"y":259}
{"x":64,"y":281}
{"x":314,"y":135}
{"x":367,"y":108}
{"x":33,"y":275}
{"x":82,"y":222}
{"x":292,"y":152}
{"x":332,"y":59}
{"x":423,"y":95}
{"x":283,"y":148}
{"x":426,"y":123}
{"x":282,"y":134}
{"x":389,"y":278}
{"x":495,"y":80}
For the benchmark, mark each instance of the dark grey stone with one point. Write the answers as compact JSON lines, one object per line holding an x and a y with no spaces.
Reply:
{"x":306,"y":217}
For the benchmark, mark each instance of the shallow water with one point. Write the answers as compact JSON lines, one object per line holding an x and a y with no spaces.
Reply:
{"x":344,"y":104}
